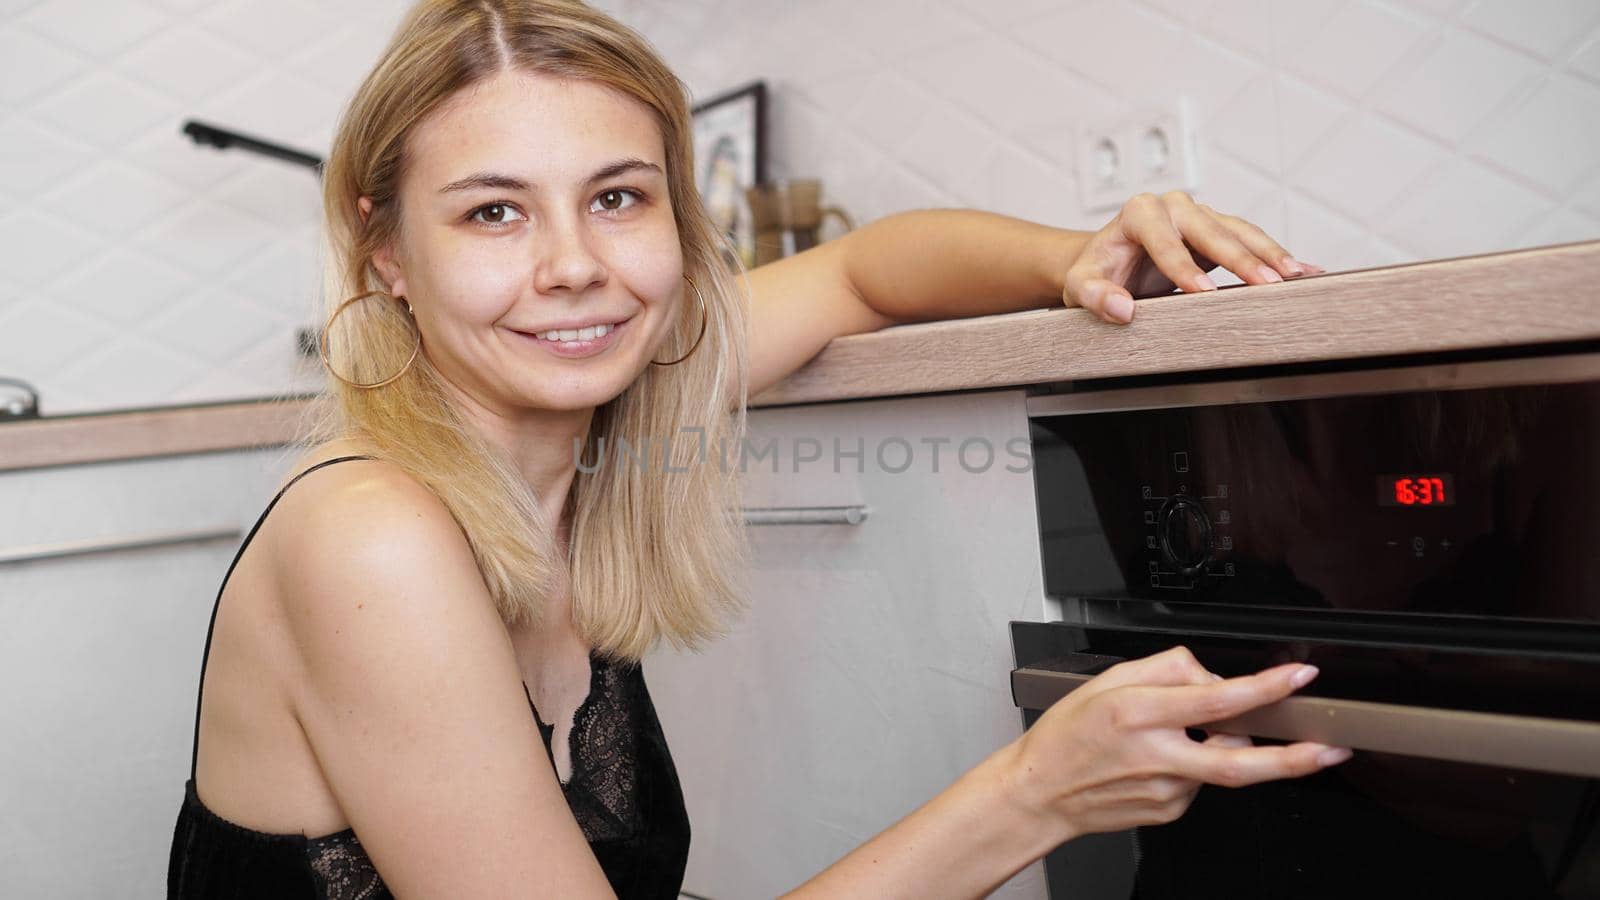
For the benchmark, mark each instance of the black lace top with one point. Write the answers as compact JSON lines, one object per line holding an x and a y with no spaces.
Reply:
{"x":623,"y":791}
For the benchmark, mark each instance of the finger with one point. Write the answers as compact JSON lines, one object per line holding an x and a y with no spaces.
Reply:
{"x":1211,"y":237}
{"x":1202,"y":704}
{"x":1263,"y":246}
{"x":1173,"y":666}
{"x":1219,"y":739}
{"x":1101,"y":296}
{"x":1151,"y":226}
{"x":1240,"y":766}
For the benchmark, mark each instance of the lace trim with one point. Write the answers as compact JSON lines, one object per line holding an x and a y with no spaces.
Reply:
{"x":343,"y":870}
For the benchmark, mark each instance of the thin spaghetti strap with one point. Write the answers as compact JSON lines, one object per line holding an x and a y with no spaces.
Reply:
{"x":205,"y":656}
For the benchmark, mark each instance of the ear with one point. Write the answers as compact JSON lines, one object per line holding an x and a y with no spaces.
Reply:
{"x":383,"y":259}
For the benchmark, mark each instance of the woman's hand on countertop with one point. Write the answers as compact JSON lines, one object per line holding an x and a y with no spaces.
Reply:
{"x":1114,"y":754}
{"x":1157,"y":243}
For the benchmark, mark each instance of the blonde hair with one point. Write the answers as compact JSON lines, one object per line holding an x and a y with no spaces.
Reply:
{"x":654,"y":554}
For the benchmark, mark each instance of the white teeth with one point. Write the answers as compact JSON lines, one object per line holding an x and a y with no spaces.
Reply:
{"x":576,"y":334}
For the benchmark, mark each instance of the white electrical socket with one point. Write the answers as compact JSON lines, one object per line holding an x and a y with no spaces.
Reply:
{"x":1147,"y":152}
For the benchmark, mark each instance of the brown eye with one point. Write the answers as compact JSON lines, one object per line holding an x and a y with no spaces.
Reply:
{"x":614,"y":201}
{"x":495,"y":214}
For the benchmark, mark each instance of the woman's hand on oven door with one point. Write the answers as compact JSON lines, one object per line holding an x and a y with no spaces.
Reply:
{"x":1114,"y":753}
{"x":1157,"y":243}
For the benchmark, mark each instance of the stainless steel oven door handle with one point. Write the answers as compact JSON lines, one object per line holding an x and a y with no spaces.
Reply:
{"x":1561,"y":746}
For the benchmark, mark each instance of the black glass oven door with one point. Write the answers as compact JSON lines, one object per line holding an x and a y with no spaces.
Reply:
{"x":1430,"y":822}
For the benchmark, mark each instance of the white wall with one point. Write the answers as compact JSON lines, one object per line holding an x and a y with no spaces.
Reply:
{"x":137,"y":269}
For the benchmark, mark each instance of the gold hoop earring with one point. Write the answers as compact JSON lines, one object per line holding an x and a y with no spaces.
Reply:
{"x":322,"y":342}
{"x":704,"y":314}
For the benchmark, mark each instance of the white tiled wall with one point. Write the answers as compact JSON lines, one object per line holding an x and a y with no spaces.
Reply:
{"x":138,"y":269}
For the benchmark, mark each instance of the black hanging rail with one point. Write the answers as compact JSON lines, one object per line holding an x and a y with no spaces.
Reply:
{"x":223,"y":139}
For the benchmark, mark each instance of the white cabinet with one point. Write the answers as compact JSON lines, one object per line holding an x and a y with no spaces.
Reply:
{"x":871,"y":670}
{"x":100,"y":659}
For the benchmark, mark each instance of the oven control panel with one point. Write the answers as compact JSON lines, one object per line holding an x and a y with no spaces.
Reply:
{"x":1472,"y":501}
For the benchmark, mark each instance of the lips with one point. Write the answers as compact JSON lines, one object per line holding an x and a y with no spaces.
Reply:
{"x":576,"y":343}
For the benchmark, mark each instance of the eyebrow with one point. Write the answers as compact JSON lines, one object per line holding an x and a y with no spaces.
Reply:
{"x":499,"y":181}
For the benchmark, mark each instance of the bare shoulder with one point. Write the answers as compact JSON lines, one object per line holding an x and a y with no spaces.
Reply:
{"x":366,"y":535}
{"x":405,"y":684}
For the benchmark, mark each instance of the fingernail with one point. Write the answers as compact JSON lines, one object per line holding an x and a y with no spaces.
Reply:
{"x":1333,"y":756}
{"x":1303,"y":676}
{"x":1269,"y":273}
{"x":1120,"y":307}
{"x":1293,"y":265}
{"x":1205,"y":283}
{"x":1215,"y":677}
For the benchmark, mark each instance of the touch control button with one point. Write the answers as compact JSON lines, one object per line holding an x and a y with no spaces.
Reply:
{"x":1185,"y":532}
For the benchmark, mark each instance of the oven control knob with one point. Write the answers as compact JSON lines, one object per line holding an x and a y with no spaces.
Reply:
{"x":1185,"y":534}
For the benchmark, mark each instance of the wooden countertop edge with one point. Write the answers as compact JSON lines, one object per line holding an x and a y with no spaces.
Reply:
{"x":1519,"y":297}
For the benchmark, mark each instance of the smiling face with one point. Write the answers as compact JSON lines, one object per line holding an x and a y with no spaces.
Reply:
{"x":532,"y":204}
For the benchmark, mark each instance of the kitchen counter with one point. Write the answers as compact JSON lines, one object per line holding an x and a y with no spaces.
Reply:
{"x":1539,"y":295}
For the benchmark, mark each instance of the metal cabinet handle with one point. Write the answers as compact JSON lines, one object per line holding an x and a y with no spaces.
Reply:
{"x":804,"y":515}
{"x":1561,"y":746}
{"x":106,"y":545}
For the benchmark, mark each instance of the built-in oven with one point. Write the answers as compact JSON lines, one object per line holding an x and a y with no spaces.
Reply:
{"x":1426,"y":532}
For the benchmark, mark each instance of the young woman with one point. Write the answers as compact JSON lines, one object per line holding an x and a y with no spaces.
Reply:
{"x":423,"y":676}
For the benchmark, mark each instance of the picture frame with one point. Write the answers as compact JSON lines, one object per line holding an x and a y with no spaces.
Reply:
{"x":730,"y":155}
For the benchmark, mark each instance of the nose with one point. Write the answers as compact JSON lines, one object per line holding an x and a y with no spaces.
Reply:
{"x":567,"y":260}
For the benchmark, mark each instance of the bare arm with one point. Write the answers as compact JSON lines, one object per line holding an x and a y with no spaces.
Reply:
{"x":1111,"y":755}
{"x":928,"y":264}
{"x":409,"y":693}
{"x":965,"y":842}
{"x":949,"y":263}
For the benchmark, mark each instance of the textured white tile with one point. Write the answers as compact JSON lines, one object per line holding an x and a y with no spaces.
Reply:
{"x":1364,"y":166}
{"x":40,"y":249}
{"x":1462,"y":209}
{"x":281,"y":193}
{"x":114,"y":199}
{"x":1458,"y":84}
{"x":1350,"y":51}
{"x":1440,"y":8}
{"x":1559,"y":227}
{"x":955,"y":153}
{"x":1244,"y":25}
{"x":272,"y":30}
{"x":33,"y":158}
{"x":30,"y":64}
{"x":37,"y":338}
{"x":212,"y":326}
{"x":1012,"y":91}
{"x":93,"y":27}
{"x":283,"y":276}
{"x":1241,"y":191}
{"x":888,"y":29}
{"x":1215,"y":76}
{"x":103,"y":110}
{"x":1100,"y":41}
{"x":1586,"y":61}
{"x":1550,"y":138}
{"x":186,"y":63}
{"x":1306,"y":117}
{"x":1320,"y":235}
{"x":204,"y":238}
{"x":1587,"y":199}
{"x":122,"y":287}
{"x":1025,"y":187}
{"x":1543,"y":30}
{"x":1247,"y":126}
{"x":130,"y":371}
{"x":274,"y":106}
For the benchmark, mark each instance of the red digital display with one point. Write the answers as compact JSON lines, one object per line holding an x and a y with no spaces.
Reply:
{"x":1423,"y":489}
